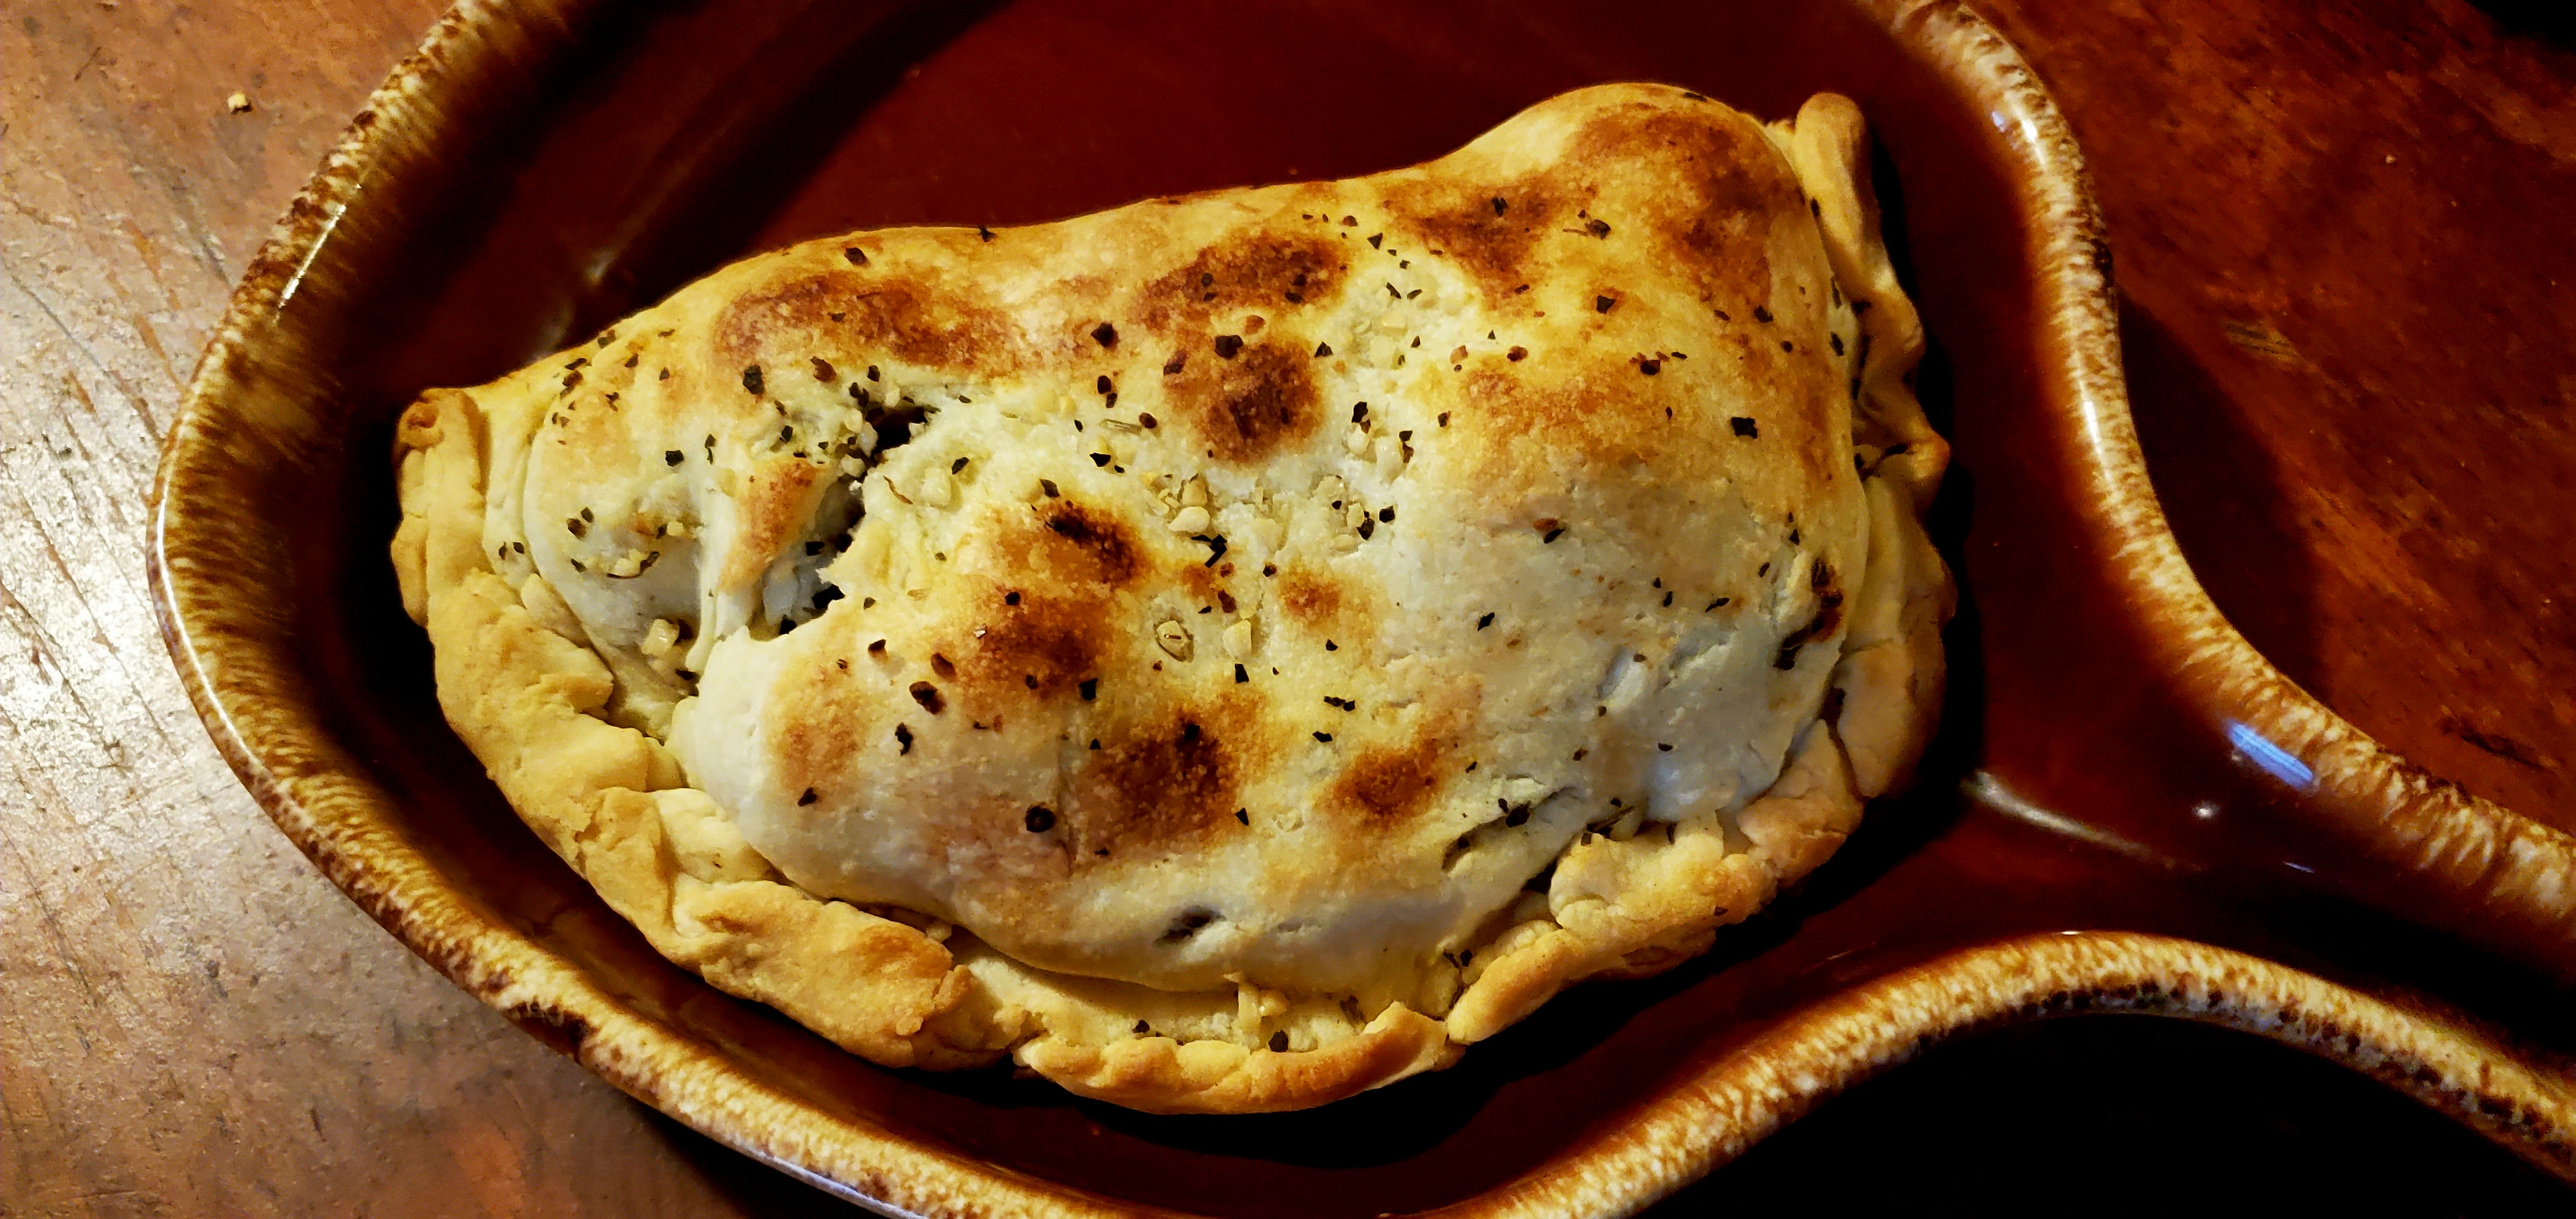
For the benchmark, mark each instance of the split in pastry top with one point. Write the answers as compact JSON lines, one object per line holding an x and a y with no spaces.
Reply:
{"x":1259,"y":588}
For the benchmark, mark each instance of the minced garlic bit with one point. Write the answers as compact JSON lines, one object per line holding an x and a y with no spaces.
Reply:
{"x":1238,"y":640}
{"x":1194,"y":493}
{"x":1174,"y":638}
{"x":1191,"y":520}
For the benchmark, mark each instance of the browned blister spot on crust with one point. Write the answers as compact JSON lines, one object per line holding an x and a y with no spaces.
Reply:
{"x":1165,"y":784}
{"x":1201,"y":583}
{"x":772,"y":507}
{"x":1533,"y":426}
{"x":1491,"y":247}
{"x":1386,"y":786}
{"x":1073,"y":546}
{"x":1245,"y":408}
{"x":1257,"y":269}
{"x":1311,"y":599}
{"x":909,"y":318}
{"x":815,"y":750}
{"x":1721,"y":184}
{"x":1041,"y":648}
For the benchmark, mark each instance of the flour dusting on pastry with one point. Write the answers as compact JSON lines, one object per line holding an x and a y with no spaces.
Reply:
{"x":1230,"y":651}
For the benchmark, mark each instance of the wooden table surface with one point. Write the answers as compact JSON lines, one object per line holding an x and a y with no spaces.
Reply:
{"x":2351,"y":306}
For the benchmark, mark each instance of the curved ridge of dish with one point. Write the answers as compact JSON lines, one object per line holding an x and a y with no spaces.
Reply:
{"x":1826,"y":1049}
{"x":2477,"y":869}
{"x":239,"y":419}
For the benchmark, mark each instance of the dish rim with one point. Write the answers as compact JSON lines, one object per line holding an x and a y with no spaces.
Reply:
{"x":2511,"y":870}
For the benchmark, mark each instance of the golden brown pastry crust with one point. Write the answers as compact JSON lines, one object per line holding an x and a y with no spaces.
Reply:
{"x":558,"y":666}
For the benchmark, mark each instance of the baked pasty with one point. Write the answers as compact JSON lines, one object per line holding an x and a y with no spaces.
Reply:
{"x":1231,"y":651}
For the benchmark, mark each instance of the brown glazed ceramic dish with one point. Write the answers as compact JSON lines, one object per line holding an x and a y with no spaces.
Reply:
{"x":2129,"y":810}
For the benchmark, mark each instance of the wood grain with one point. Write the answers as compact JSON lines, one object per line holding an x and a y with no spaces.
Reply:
{"x":2354,"y":349}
